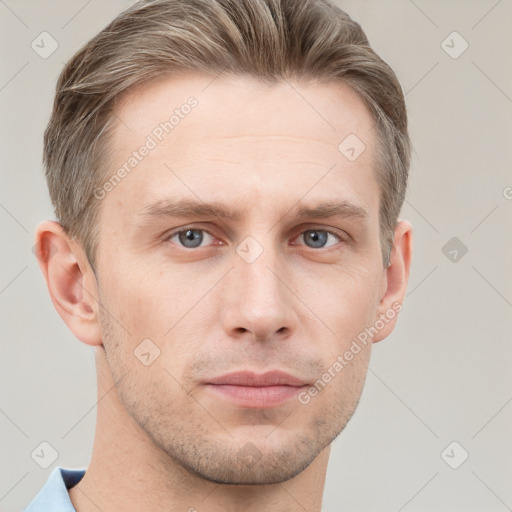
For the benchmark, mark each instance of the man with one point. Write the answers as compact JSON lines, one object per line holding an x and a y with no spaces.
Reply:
{"x":227,"y":176}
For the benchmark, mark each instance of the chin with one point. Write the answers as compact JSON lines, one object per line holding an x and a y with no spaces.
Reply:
{"x":253,"y":463}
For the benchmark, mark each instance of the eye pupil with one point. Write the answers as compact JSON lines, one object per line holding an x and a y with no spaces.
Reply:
{"x":319,"y":238}
{"x":191,"y":235}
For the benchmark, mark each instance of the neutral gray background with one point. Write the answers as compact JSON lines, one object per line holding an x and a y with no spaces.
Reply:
{"x":444,"y":375}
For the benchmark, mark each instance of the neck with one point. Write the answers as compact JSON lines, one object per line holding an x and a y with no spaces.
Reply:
{"x":129,"y":472}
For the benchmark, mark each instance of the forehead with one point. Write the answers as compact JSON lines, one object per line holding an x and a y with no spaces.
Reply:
{"x":243,"y":105}
{"x":204,"y":136}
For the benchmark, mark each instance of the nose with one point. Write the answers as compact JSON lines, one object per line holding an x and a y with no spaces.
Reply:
{"x":260,"y":301}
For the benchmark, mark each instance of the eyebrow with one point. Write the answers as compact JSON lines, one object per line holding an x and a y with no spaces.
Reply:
{"x":191,"y":208}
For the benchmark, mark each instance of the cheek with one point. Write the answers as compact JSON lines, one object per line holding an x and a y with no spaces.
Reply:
{"x":346,"y":300}
{"x":350,"y":381}
{"x":332,"y":400}
{"x":348,"y":308}
{"x":156,"y":314}
{"x":148,"y":303}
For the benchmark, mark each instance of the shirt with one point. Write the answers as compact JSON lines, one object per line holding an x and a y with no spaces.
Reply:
{"x":54,"y":495}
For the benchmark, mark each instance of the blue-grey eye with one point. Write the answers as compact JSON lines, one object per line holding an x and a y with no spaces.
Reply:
{"x":317,"y":237}
{"x":191,"y":238}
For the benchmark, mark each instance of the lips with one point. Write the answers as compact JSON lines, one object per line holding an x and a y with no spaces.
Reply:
{"x":248,"y":389}
{"x":272,"y":378}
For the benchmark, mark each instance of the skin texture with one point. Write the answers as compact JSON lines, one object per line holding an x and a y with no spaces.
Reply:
{"x":164,"y":440}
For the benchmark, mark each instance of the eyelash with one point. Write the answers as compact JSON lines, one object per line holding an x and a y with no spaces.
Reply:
{"x":339,"y":236}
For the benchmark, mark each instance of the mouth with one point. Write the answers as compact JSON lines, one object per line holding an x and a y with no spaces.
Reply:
{"x":251,"y":390}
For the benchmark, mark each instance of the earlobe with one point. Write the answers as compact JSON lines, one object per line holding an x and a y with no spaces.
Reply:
{"x":70,"y":279}
{"x":395,"y":280}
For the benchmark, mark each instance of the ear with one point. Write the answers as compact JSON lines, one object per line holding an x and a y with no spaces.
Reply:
{"x":70,"y":280}
{"x":394,"y":281}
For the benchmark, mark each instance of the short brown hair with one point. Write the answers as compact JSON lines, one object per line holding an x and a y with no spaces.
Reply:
{"x":270,"y":40}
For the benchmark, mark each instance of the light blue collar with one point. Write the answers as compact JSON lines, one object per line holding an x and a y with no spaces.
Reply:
{"x":54,"y":495}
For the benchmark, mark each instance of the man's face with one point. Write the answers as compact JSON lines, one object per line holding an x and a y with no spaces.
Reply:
{"x":263,"y":291}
